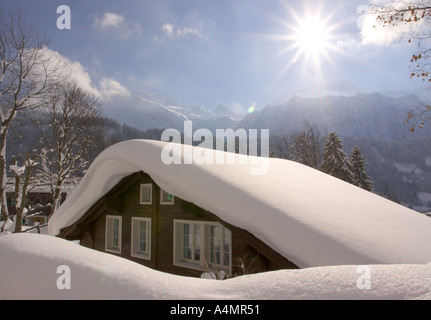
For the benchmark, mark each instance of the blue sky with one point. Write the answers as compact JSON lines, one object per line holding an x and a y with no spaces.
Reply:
{"x":231,"y":52}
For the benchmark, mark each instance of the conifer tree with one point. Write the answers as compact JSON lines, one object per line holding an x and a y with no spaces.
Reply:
{"x":335,"y":161}
{"x":358,"y":169}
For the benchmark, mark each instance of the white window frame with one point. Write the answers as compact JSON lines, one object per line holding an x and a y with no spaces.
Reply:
{"x":204,"y":262}
{"x":166,"y":202}
{"x":135,"y":227}
{"x":146,"y":185}
{"x":195,"y":245}
{"x":109,"y":234}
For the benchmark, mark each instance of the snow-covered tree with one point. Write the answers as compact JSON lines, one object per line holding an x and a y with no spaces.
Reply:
{"x":25,"y":74}
{"x":335,"y":161}
{"x":22,"y":175}
{"x":360,"y":177}
{"x":306,"y":146}
{"x":68,"y":134}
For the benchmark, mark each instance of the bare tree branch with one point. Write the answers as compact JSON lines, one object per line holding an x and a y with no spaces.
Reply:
{"x":26,"y":73}
{"x":68,"y":133}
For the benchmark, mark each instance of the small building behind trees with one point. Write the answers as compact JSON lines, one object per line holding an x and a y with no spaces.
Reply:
{"x":38,"y":204}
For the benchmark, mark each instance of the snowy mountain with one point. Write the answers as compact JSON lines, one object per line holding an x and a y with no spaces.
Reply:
{"x":320,"y":89}
{"x":372,"y":115}
{"x":339,"y":106}
{"x":144,"y":110}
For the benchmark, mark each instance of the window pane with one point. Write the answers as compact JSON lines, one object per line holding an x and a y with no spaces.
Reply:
{"x":197,"y":249}
{"x":115,"y":233}
{"x":226,"y":247}
{"x":215,"y":243}
{"x":187,"y":247}
{"x":167,"y":197}
{"x":143,"y":236}
{"x":146,"y":193}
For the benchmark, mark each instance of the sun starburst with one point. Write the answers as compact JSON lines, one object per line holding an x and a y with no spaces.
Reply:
{"x":310,"y":38}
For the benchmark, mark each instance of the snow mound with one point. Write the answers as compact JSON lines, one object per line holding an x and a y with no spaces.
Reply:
{"x":311,"y":218}
{"x":32,"y":262}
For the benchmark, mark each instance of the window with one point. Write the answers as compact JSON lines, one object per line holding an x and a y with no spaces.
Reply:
{"x":202,"y":245}
{"x":191,"y":243}
{"x":166,"y":198}
{"x":113,"y":234}
{"x":219,"y":245}
{"x":141,"y":238}
{"x":146,"y":193}
{"x":11,"y":202}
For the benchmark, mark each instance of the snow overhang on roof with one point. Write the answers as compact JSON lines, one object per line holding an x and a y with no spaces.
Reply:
{"x":311,"y":218}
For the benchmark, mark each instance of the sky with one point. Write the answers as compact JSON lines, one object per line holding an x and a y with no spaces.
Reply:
{"x":238,"y":53}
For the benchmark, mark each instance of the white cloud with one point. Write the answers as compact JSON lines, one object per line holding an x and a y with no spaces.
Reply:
{"x":182,"y":32}
{"x":168,"y":30}
{"x":171,"y":31}
{"x":73,"y":70}
{"x":109,"y":20}
{"x":107,"y":88}
{"x":376,"y":32}
{"x":110,"y":88}
{"x":347,"y":43}
{"x":78,"y":73}
{"x":116,"y":22}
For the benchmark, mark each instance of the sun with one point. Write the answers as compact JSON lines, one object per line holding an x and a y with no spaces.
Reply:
{"x":312,"y":37}
{"x":310,"y":41}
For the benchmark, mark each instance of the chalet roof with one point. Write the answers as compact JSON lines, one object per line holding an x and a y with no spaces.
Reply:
{"x":311,"y":218}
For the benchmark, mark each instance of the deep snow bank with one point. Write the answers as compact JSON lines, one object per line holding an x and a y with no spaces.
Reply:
{"x":311,"y":218}
{"x":29,"y":264}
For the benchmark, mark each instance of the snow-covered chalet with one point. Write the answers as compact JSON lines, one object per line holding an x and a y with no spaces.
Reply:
{"x":187,"y":219}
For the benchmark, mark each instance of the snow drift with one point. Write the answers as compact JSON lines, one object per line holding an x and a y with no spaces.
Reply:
{"x":309,"y":217}
{"x":32,"y":262}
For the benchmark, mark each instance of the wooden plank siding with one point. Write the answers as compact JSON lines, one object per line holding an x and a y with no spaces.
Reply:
{"x":124,"y":200}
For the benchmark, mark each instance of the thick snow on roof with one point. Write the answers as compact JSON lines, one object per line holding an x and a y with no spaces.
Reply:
{"x":37,"y":265}
{"x":311,"y":218}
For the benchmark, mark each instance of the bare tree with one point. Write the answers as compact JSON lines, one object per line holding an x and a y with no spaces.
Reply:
{"x":25,"y":75}
{"x":69,"y":132}
{"x":307,"y":146}
{"x":398,"y":15}
{"x":281,"y":147}
{"x":304,"y":147}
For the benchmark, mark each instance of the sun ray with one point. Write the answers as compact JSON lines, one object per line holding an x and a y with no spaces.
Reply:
{"x":311,"y":39}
